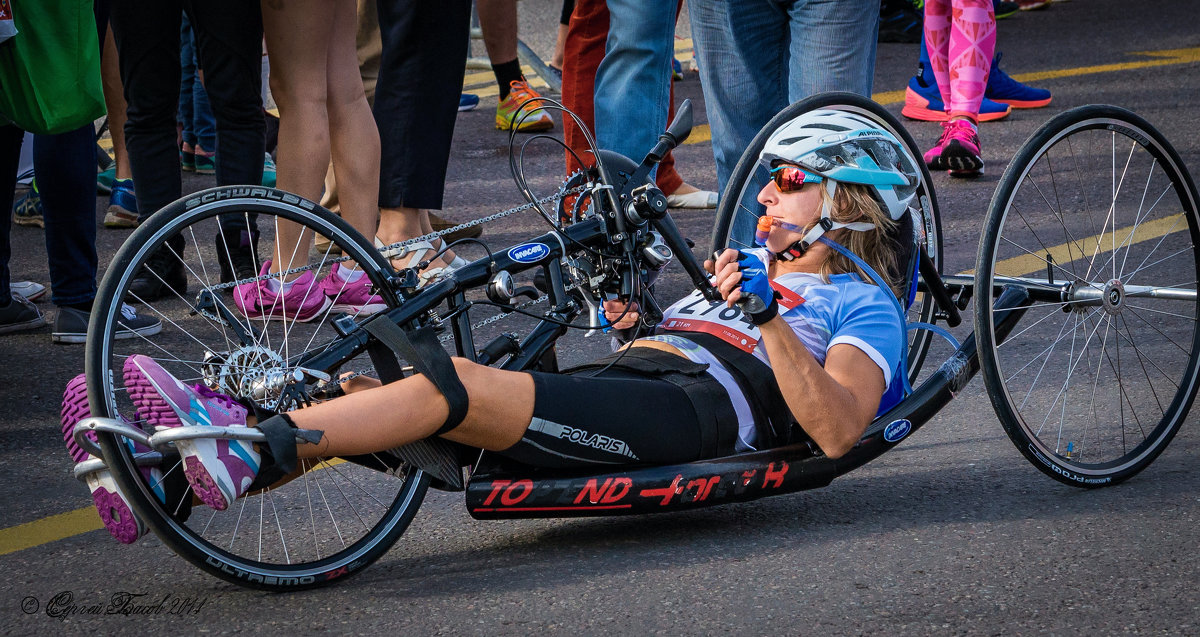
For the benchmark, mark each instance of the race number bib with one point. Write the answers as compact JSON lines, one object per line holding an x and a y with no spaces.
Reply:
{"x":695,"y":314}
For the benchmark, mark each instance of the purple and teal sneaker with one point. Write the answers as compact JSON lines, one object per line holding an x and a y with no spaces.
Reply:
{"x":353,"y":297}
{"x":303,"y":301}
{"x":218,"y":470}
{"x":112,"y":505}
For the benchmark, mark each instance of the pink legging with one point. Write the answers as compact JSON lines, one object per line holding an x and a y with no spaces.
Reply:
{"x":961,"y":37}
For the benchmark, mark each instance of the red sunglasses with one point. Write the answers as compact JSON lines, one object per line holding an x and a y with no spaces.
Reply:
{"x":790,"y":178}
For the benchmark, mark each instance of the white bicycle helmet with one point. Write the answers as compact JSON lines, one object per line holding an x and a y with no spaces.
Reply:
{"x":846,"y":147}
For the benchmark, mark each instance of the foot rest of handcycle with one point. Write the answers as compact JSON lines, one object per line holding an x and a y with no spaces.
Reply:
{"x":165,"y":439}
{"x":88,"y":467}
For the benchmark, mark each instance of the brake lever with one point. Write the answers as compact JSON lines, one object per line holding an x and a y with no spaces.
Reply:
{"x":596,"y":321}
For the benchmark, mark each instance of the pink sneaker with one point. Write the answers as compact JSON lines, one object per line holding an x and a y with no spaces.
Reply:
{"x":219,"y":470}
{"x":302,"y":302}
{"x":352,"y":298}
{"x":957,"y":150}
{"x":112,"y":505}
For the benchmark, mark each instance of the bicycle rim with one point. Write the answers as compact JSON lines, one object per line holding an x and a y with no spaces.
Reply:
{"x":1093,"y":384}
{"x":334,"y":517}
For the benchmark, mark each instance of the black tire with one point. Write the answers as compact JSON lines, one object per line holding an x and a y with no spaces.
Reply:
{"x":335,"y":517}
{"x":747,"y":179}
{"x":1098,"y":376}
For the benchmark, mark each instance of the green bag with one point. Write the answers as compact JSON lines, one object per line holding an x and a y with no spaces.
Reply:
{"x":50,"y":70}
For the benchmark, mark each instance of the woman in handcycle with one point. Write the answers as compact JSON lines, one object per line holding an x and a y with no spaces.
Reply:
{"x":802,"y":338}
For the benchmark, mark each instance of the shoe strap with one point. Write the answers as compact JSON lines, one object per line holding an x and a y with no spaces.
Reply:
{"x":278,"y":454}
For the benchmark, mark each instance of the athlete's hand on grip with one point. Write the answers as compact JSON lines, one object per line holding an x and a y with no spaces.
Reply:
{"x":742,"y":278}
{"x":614,"y":309}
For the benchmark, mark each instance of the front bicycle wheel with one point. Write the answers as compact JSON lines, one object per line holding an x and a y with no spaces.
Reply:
{"x":334,"y":517}
{"x":1097,"y":217}
{"x":739,"y":210}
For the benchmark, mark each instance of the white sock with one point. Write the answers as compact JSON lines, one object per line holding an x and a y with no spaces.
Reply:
{"x":275,"y":286}
{"x":349,"y":275}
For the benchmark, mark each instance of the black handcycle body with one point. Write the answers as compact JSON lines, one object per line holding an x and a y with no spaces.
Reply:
{"x":309,"y":531}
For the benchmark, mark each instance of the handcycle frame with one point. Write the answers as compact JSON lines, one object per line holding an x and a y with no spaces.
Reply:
{"x":498,"y":488}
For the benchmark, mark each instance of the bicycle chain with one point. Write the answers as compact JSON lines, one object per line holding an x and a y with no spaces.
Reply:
{"x":386,"y":250}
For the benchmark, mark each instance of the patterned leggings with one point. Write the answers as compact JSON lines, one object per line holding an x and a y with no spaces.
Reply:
{"x":961,"y":38}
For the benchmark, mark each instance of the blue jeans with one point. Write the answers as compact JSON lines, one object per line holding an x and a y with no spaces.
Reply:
{"x":633,"y":83}
{"x":758,"y":56}
{"x":65,"y":166}
{"x":195,"y":113}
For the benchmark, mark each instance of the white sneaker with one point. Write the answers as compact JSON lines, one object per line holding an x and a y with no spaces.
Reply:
{"x":28,"y":289}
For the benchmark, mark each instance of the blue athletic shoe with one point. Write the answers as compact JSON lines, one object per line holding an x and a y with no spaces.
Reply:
{"x":923,"y":101}
{"x":467,"y":102}
{"x":27,"y":211}
{"x":1002,"y":88}
{"x":122,"y":206}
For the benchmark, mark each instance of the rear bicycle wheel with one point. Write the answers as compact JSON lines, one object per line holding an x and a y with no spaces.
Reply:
{"x":738,"y":210}
{"x":1097,"y":217}
{"x":334,"y":517}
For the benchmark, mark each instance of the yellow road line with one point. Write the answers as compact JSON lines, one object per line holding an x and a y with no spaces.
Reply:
{"x":49,"y":529}
{"x":1064,"y":253}
{"x":64,"y":525}
{"x":1165,"y":57}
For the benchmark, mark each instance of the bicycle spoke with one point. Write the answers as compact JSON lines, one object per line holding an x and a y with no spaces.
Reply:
{"x":1160,"y":332}
{"x":1145,"y":372}
{"x":1049,"y":352}
{"x":1069,"y":275}
{"x":332,"y":518}
{"x":1057,"y":214}
{"x":282,"y":542}
{"x":312,"y":520}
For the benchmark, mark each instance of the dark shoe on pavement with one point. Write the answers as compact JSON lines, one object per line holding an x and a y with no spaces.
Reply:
{"x":899,"y":22}
{"x":71,"y":325}
{"x":162,"y":276}
{"x":19,"y":315}
{"x":237,"y":253}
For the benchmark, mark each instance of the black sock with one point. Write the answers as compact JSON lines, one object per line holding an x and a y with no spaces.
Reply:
{"x":506,"y":73}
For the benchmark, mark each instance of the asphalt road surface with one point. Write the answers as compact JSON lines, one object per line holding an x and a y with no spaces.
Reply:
{"x":953,"y":532}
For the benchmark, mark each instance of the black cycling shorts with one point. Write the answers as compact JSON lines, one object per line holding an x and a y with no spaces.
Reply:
{"x":620,"y":417}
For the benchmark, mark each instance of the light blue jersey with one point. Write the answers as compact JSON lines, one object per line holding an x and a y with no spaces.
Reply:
{"x":823,"y":314}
